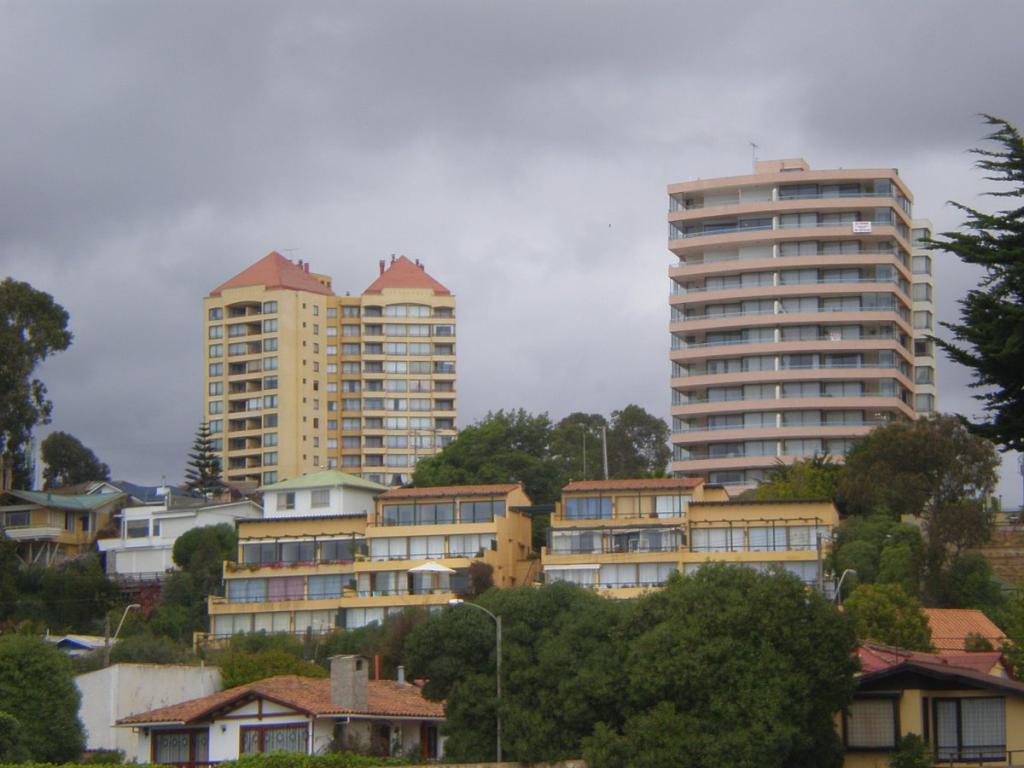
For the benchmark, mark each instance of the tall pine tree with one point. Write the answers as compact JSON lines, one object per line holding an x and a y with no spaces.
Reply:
{"x":202,"y":472}
{"x":989,"y":339}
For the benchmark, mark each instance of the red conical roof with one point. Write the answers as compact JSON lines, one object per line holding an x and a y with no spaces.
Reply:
{"x":275,"y":271}
{"x":403,"y":273}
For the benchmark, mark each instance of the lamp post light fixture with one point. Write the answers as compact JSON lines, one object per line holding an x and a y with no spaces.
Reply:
{"x":839,"y":586}
{"x":454,"y":602}
{"x":110,"y":640}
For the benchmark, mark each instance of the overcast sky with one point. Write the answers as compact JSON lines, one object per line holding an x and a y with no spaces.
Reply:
{"x":519,"y":149}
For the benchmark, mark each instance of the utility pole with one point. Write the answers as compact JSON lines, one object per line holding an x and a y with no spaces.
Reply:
{"x":604,"y":449}
{"x":584,"y":453}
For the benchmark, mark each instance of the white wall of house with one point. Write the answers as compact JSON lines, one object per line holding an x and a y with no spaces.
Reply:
{"x":225,"y":734}
{"x":152,"y":553}
{"x":128,"y":689}
{"x":342,"y":500}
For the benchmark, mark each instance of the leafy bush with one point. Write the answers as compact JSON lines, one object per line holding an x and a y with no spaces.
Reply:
{"x":240,"y":668}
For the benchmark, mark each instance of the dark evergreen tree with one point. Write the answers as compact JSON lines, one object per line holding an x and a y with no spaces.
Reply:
{"x":203,"y":470}
{"x":989,"y":339}
{"x":32,"y":327}
{"x":68,"y":461}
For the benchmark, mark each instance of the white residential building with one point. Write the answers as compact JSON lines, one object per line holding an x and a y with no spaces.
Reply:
{"x":144,"y":548}
{"x":321,"y":494}
{"x":126,"y":689}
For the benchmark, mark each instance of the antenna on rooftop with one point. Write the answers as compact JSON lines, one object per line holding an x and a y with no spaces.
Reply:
{"x":753,"y":154}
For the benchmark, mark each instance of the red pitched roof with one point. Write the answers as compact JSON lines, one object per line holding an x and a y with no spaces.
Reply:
{"x":275,"y":271}
{"x":403,"y":273}
{"x":498,"y":489}
{"x":636,"y":484}
{"x":951,"y":626}
{"x":309,"y":695}
{"x":874,"y":658}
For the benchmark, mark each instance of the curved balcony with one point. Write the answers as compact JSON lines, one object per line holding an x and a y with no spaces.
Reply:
{"x":873,"y":401}
{"x":727,"y":321}
{"x":743,"y":347}
{"x":821,"y":287}
{"x":824,"y":431}
{"x":700,"y":241}
{"x":863,"y":372}
{"x":794,"y":204}
{"x":770,"y":264}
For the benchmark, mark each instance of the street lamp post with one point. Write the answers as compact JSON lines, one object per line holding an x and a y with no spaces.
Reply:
{"x":110,"y":640}
{"x":839,"y":586}
{"x":497,"y":626}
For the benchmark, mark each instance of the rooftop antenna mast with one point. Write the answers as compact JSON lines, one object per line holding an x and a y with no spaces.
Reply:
{"x":753,"y":154}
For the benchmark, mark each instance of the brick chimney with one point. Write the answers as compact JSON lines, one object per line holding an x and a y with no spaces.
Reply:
{"x":350,"y":676}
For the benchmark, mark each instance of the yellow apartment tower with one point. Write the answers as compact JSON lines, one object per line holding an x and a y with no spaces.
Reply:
{"x":299,"y":379}
{"x":801,"y":316}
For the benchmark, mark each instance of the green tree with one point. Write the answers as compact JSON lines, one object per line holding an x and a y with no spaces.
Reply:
{"x":812,"y":478}
{"x":933,"y":468}
{"x":879,"y":549}
{"x":561,"y":670}
{"x":146,"y":648}
{"x":203,"y":471}
{"x":503,"y":447}
{"x":12,"y":749}
{"x":72,"y":596}
{"x":884,"y":613}
{"x":989,"y":339}
{"x":37,"y":689}
{"x":912,"y":752}
{"x":968,"y":582}
{"x":569,"y":438}
{"x":718,"y":648}
{"x":32,"y":327}
{"x":69,"y":462}
{"x":238,"y":668}
{"x":637,"y":444}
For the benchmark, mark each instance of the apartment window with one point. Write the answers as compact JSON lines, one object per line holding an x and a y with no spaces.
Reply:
{"x":922,"y":320}
{"x":270,"y":382}
{"x":216,"y":387}
{"x":270,"y":420}
{"x":136,"y":529}
{"x":269,"y":307}
{"x":270,"y":459}
{"x":269,"y":439}
{"x":321,"y":498}
{"x":269,"y":363}
{"x":270,"y":345}
{"x":216,"y":426}
{"x":353,"y":350}
{"x":216,"y":369}
{"x":216,"y":406}
{"x":593,"y":508}
{"x":216,"y":313}
{"x":717,"y":540}
{"x":924,"y":403}
{"x":216,"y":350}
{"x":258,"y":739}
{"x":922,"y":265}
{"x":286,"y":500}
{"x":394,"y":348}
{"x":270,"y":401}
{"x":872,"y":723}
{"x":349,"y":311}
{"x":216,"y":332}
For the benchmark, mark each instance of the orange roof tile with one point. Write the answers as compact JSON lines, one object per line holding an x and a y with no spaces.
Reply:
{"x":309,"y":695}
{"x":497,"y":489}
{"x":874,"y":657}
{"x":636,"y":484}
{"x":403,"y":273}
{"x":275,"y":271}
{"x":951,"y":626}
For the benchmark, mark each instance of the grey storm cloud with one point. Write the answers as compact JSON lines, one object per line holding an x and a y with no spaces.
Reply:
{"x":520,"y":149}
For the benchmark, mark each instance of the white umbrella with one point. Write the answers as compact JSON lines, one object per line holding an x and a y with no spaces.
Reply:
{"x":431,"y":568}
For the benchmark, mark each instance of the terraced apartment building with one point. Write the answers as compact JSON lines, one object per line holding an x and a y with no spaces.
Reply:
{"x":299,"y":379}
{"x":800,"y":316}
{"x":622,"y":537}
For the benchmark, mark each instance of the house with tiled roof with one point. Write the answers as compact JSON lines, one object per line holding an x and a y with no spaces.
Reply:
{"x":289,"y":713}
{"x":625,"y":536}
{"x":49,"y":527}
{"x":952,"y":626}
{"x":965,"y":706}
